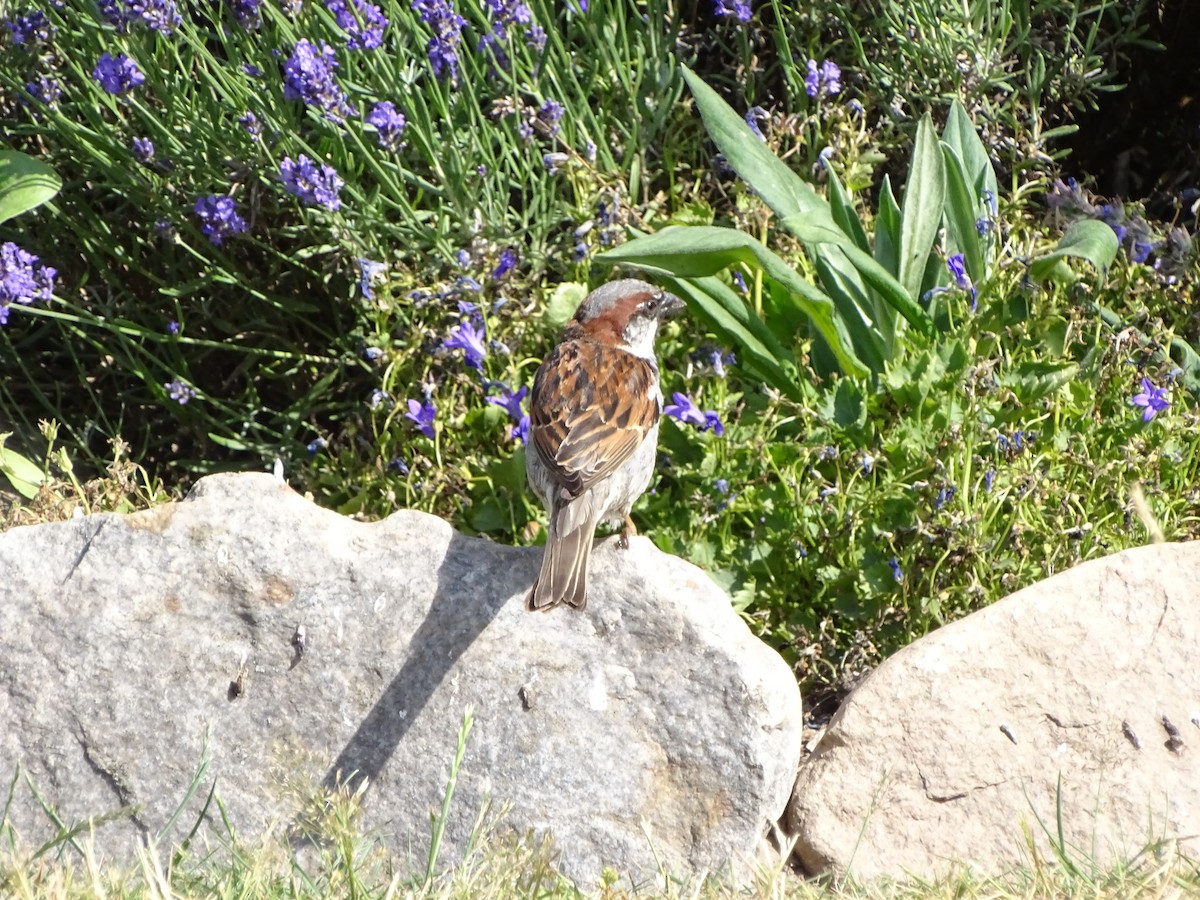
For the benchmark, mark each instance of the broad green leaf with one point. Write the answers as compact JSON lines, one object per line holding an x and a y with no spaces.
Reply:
{"x":1087,"y":239}
{"x":700,"y":251}
{"x":921,"y":213}
{"x":25,"y":183}
{"x":854,"y":304}
{"x":842,"y":205}
{"x":963,"y":139}
{"x":564,"y":301}
{"x":1031,"y":381}
{"x":25,"y":476}
{"x":800,"y":208}
{"x":961,"y":234}
{"x":724,"y":312}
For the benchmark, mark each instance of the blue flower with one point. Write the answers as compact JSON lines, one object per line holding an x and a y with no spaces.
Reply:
{"x":316,"y":445}
{"x":944,"y":496}
{"x":1152,"y":400}
{"x":308,"y":77}
{"x":722,"y":486}
{"x":469,"y":339}
{"x":160,"y":15}
{"x":822,"y":80}
{"x":314,"y":187}
{"x":179,"y":391}
{"x":423,"y":415}
{"x":22,"y":279}
{"x":117,"y":74}
{"x":989,"y":478}
{"x":503,"y":15}
{"x":894,"y":565}
{"x":218,"y":218}
{"x":173,"y":327}
{"x":388,"y":124}
{"x":363,"y":22}
{"x":378,"y":398}
{"x":549,"y":114}
{"x":753,"y":114}
{"x":45,"y":90}
{"x":508,"y":260}
{"x":554,"y":162}
{"x":143,"y":150}
{"x":684,"y":410}
{"x":250,"y":122}
{"x":956,"y":265}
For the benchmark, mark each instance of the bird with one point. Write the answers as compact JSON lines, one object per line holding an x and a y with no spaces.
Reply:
{"x":593,"y":429}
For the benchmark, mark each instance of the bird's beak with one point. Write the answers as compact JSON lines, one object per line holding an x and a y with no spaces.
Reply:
{"x":670,"y":306}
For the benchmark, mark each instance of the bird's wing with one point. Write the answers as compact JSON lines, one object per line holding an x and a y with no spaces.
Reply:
{"x":592,"y":406}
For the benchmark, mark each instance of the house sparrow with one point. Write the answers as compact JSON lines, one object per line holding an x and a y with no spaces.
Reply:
{"x":593,"y":433}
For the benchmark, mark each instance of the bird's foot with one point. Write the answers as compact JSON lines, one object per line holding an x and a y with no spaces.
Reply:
{"x":630,"y":530}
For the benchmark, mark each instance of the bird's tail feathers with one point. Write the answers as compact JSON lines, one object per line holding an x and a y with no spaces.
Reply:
{"x":563,"y":577}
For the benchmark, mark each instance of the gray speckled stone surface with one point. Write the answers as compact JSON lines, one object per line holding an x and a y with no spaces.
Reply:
{"x":127,"y":639}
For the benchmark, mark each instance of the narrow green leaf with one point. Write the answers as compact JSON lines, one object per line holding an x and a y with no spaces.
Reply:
{"x":854,"y":304}
{"x":705,"y":250}
{"x":25,"y":183}
{"x":961,"y":207}
{"x":1087,"y":239}
{"x":844,"y":214}
{"x":887,"y":229}
{"x":921,"y":213}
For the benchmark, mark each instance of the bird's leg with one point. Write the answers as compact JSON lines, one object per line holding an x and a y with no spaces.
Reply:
{"x":630,"y":530}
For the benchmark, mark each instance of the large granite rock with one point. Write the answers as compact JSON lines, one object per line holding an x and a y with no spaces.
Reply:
{"x":1083,"y":690}
{"x":653,"y":726}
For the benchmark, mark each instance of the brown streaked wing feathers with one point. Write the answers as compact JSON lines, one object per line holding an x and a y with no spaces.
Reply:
{"x":580,"y":426}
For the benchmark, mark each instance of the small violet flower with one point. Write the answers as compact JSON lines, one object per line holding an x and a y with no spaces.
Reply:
{"x":1151,"y":399}
{"x":29,"y":27}
{"x":314,"y":187}
{"x":894,"y":565}
{"x":308,"y":77}
{"x":469,"y":339}
{"x":117,"y":74}
{"x":684,"y":410}
{"x":739,"y":9}
{"x":447,"y":26}
{"x":511,"y":401}
{"x":367,"y":270}
{"x":506,"y":263}
{"x":143,"y":150}
{"x":423,"y":415}
{"x":179,"y":391}
{"x":956,"y":265}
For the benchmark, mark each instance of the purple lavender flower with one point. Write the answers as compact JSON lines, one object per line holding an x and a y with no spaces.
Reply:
{"x":388,"y":124}
{"x":250,"y":122}
{"x":894,"y":565}
{"x":683,"y":409}
{"x":45,"y":90}
{"x":753,"y":114}
{"x":447,"y":26}
{"x":423,"y":415}
{"x":173,"y":327}
{"x":1152,"y":400}
{"x":29,"y":28}
{"x":248,"y":13}
{"x":505,"y":15}
{"x":379,"y":397}
{"x":554,"y":162}
{"x":160,"y":15}
{"x":314,"y":187}
{"x":469,"y":339}
{"x":22,"y":279}
{"x":823,"y":80}
{"x":714,"y":357}
{"x":218,"y":218}
{"x":316,"y":445}
{"x":308,"y":77}
{"x":363,"y":22}
{"x":143,"y":150}
{"x":739,"y":9}
{"x":549,"y":114}
{"x":117,"y":74}
{"x":180,"y":392}
{"x":508,"y":261}
{"x":944,"y":495}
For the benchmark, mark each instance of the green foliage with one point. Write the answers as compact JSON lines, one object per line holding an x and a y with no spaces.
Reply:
{"x":25,"y":183}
